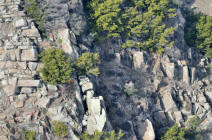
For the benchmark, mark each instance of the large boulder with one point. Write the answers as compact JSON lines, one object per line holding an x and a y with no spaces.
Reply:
{"x":146,"y":131}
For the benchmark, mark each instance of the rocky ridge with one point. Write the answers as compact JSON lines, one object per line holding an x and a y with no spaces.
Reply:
{"x":172,"y":87}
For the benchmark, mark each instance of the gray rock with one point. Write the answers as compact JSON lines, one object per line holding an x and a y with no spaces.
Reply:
{"x":29,"y":55}
{"x":97,"y":115}
{"x":20,"y":23}
{"x":167,"y":99}
{"x":11,"y":88}
{"x":28,"y":83}
{"x":186,"y":77}
{"x":138,"y":59}
{"x":146,"y":131}
{"x":43,"y":102}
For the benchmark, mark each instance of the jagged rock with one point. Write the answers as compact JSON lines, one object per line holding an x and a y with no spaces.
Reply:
{"x":31,"y":32}
{"x":146,"y":131}
{"x":138,"y":59}
{"x":67,"y":46}
{"x":167,"y":99}
{"x":186,"y":77}
{"x":11,"y":88}
{"x":28,"y":83}
{"x":20,"y":23}
{"x":169,"y":69}
{"x":85,"y":84}
{"x":97,"y":114}
{"x":26,"y":90}
{"x":43,"y":102}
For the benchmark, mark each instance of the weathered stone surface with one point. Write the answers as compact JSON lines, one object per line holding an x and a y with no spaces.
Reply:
{"x":28,"y":83}
{"x":68,"y":48}
{"x":146,"y":131}
{"x":97,"y":115}
{"x":186,"y":77}
{"x":169,"y":69}
{"x":29,"y":55}
{"x":43,"y":102}
{"x":20,"y":23}
{"x":167,"y":99}
{"x":85,"y":84}
{"x":31,"y":32}
{"x":11,"y":88}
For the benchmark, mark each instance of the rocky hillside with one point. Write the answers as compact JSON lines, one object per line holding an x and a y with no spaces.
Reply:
{"x":168,"y":88}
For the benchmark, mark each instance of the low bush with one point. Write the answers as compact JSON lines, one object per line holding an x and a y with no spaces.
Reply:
{"x":59,"y":129}
{"x":28,"y":135}
{"x":102,"y":136}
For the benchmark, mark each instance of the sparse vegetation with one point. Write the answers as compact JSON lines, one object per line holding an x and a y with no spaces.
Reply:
{"x":28,"y":135}
{"x":59,"y":129}
{"x":87,"y":64}
{"x":56,"y":66}
{"x":102,"y":136}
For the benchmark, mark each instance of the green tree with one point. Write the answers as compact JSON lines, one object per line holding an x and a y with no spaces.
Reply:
{"x":193,"y":131}
{"x":105,"y":16}
{"x":174,"y":133}
{"x":56,"y":66}
{"x":87,"y":64}
{"x":32,"y":8}
{"x":198,"y":31}
{"x":141,"y":23}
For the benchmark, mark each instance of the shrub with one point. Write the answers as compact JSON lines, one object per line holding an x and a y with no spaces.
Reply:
{"x":102,"y":136}
{"x":28,"y":135}
{"x":56,"y":66}
{"x":87,"y":64}
{"x":174,"y":133}
{"x":59,"y":129}
{"x":32,"y":8}
{"x":130,"y":89}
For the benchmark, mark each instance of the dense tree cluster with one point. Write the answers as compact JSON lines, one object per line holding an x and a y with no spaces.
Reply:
{"x":140,"y":22}
{"x":198,"y":32}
